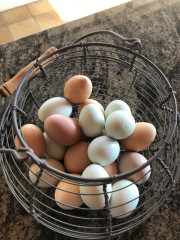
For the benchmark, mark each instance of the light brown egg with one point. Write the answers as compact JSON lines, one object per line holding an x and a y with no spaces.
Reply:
{"x":143,"y":135}
{"x":62,"y":129}
{"x":90,"y":101}
{"x":111,"y":169}
{"x":63,"y":197}
{"x":47,"y":179}
{"x":76,"y":158}
{"x":78,"y":89}
{"x":34,"y":139}
{"x":131,"y":160}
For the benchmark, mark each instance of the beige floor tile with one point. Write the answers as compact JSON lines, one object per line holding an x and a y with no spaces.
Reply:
{"x":48,"y":20}
{"x":23,"y":28}
{"x":16,"y":14}
{"x":39,"y":7}
{"x":2,"y":21}
{"x":5,"y":35}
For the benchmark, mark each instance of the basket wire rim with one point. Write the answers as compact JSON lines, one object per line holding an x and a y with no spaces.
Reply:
{"x":115,"y":177}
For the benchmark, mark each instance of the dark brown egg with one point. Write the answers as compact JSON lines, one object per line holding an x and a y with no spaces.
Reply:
{"x":62,"y":129}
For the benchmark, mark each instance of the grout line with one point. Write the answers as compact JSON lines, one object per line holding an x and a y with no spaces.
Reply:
{"x":53,"y":9}
{"x":26,"y":5}
{"x":5,"y":23}
{"x":10,"y":32}
{"x":28,"y":10}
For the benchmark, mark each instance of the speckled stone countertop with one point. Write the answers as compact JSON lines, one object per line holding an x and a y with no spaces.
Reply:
{"x":157,"y":24}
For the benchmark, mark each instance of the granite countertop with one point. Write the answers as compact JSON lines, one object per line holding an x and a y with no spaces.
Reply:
{"x":157,"y":24}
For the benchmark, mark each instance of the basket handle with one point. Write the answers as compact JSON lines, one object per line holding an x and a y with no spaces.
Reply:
{"x":130,"y":42}
{"x":9,"y":87}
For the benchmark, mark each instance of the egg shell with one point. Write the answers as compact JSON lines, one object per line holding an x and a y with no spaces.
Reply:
{"x":91,"y":120}
{"x":143,"y":135}
{"x":111,"y":169}
{"x":120,"y":124}
{"x":53,"y":150}
{"x":115,"y":106}
{"x":90,"y":101}
{"x":82,"y":137}
{"x":78,"y":89}
{"x":104,"y":133}
{"x":70,"y":195}
{"x":47,"y":178}
{"x":76,"y":158}
{"x":56,"y":105}
{"x":62,"y":129}
{"x":103,"y":150}
{"x":131,"y":160}
{"x":34,"y":139}
{"x":94,"y":201}
{"x":124,"y":199}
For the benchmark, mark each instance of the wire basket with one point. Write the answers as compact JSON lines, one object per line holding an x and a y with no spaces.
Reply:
{"x":116,"y":72}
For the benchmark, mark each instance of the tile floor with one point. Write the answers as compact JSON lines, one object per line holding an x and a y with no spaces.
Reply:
{"x":43,"y":14}
{"x":27,"y":19}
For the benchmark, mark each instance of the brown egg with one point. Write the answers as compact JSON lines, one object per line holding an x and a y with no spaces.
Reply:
{"x":78,"y":89}
{"x":90,"y":101}
{"x":111,"y":169}
{"x":46,"y":179}
{"x":76,"y":158}
{"x":72,"y":197}
{"x":131,"y":160}
{"x":143,"y":135}
{"x":34,"y":139}
{"x":62,"y":129}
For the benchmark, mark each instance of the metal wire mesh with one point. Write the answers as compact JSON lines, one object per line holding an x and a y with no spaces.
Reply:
{"x":116,"y":73}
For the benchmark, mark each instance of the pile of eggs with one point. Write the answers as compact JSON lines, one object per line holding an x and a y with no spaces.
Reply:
{"x":90,"y":147}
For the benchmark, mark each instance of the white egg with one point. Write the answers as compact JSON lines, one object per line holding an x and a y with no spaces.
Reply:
{"x":103,"y":150}
{"x":124,"y":199}
{"x":115,"y":106}
{"x":56,"y":105}
{"x":53,"y":150}
{"x":120,"y":124}
{"x":95,"y":201}
{"x":91,"y":120}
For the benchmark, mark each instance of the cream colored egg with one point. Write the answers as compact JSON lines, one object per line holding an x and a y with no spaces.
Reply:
{"x":53,"y":150}
{"x":91,"y":120}
{"x":56,"y":105}
{"x":120,"y":124}
{"x":94,"y":201}
{"x":115,"y":106}
{"x":103,"y":150}
{"x":90,"y":101}
{"x":47,"y":179}
{"x":124,"y":199}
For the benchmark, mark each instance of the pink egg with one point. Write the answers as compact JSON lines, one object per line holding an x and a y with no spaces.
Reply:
{"x":131,"y":160}
{"x":62,"y":129}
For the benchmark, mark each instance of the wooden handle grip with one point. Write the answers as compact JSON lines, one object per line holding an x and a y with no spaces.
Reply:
{"x":9,"y":87}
